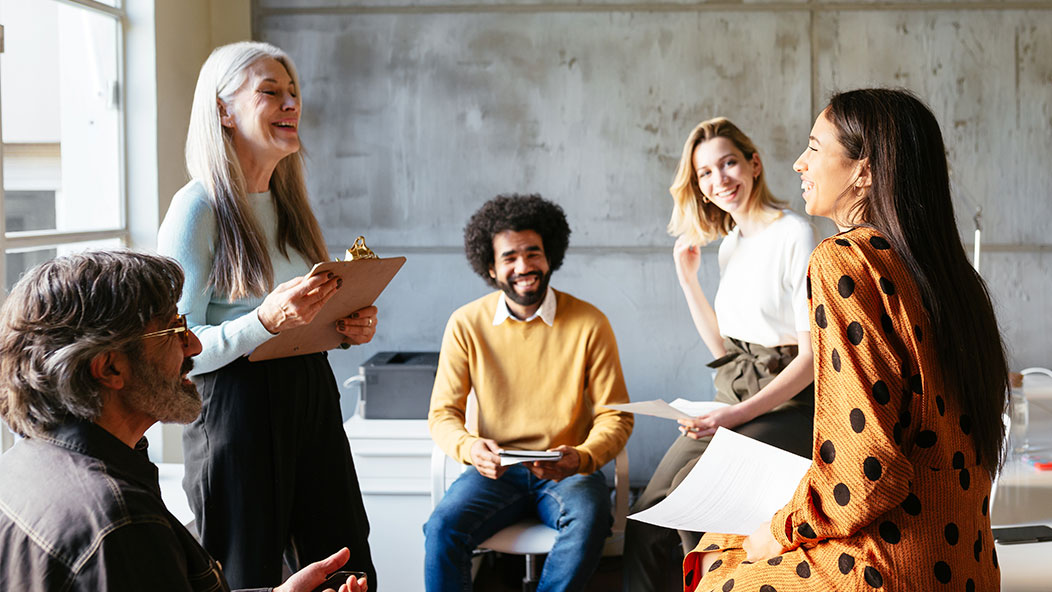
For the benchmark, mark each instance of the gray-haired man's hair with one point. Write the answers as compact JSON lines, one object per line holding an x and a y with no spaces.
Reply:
{"x":63,"y":313}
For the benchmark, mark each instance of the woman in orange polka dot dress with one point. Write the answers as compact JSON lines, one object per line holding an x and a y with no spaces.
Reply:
{"x":910,"y":378}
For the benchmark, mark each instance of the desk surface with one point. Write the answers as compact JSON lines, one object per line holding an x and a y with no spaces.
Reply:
{"x":1024,"y":496}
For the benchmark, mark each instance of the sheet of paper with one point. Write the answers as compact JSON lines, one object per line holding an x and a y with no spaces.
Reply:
{"x":737,"y":485}
{"x":696,"y":408}
{"x":678,"y":409}
{"x":514,"y":457}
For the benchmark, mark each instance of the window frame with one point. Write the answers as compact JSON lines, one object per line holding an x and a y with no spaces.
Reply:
{"x":35,"y":239}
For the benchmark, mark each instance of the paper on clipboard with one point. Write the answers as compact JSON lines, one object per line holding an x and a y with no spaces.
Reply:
{"x":678,"y":409}
{"x":363,"y":281}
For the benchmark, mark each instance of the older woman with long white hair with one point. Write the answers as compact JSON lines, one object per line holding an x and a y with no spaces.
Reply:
{"x":268,"y":467}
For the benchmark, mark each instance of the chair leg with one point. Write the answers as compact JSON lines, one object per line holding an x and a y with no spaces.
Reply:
{"x":529,"y":583}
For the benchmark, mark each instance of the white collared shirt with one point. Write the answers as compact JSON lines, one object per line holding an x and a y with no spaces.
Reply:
{"x":546,"y":310}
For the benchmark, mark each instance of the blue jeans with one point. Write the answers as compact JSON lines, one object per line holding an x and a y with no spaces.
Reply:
{"x":475,"y":507}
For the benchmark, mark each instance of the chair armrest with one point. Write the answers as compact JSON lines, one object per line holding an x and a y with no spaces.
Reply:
{"x":620,"y":490}
{"x":438,"y":475}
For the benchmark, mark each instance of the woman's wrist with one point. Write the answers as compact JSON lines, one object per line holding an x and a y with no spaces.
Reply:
{"x":268,"y":323}
{"x":687,"y":282}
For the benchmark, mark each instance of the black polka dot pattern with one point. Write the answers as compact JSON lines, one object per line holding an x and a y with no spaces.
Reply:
{"x":870,"y":334}
{"x":881,"y":393}
{"x":951,"y":533}
{"x":716,"y":565}
{"x":845,"y":563}
{"x":842,"y":494}
{"x":871,"y":468}
{"x":873,"y":577}
{"x":942,"y":572}
{"x":886,"y":324}
{"x":846,"y":286}
{"x":912,"y":505}
{"x":803,"y":569}
{"x":890,"y":532}
{"x":827,"y":452}
{"x":711,"y":547}
{"x":887,"y":286}
{"x":926,"y":439}
{"x":858,"y":420}
{"x":879,"y":243}
{"x":855,"y":333}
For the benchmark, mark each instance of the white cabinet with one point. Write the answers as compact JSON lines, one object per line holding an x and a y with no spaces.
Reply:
{"x":392,"y":458}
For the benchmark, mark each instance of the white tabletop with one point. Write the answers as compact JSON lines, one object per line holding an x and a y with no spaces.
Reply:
{"x":1024,"y":496}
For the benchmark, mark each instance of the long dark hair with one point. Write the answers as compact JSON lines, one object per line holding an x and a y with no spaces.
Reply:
{"x":909,"y":203}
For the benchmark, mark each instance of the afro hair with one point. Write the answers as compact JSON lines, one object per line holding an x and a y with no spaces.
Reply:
{"x":515,"y":212}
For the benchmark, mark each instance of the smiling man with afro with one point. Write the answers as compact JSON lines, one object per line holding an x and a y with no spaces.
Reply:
{"x":543,"y":365}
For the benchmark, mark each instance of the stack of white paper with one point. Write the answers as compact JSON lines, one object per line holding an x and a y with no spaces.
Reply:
{"x":514,"y":457}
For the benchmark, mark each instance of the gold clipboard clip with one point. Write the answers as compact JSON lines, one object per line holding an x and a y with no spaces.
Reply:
{"x":359,"y":251}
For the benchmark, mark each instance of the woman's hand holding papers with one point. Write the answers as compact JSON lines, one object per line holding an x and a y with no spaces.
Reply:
{"x":705,"y":425}
{"x":485,"y":457}
{"x":761,"y":545}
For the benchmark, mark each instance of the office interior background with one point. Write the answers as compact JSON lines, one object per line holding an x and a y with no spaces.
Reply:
{"x":417,"y":111}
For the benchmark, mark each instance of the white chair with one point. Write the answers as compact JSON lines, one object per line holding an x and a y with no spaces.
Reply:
{"x":529,"y":537}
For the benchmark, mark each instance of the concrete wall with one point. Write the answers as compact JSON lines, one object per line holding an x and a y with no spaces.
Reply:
{"x":416,"y":112}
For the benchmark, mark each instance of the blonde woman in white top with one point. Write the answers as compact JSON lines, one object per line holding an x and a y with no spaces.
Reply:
{"x":757,"y":329}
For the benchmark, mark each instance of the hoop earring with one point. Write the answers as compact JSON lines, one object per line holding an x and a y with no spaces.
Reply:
{"x":704,"y":198}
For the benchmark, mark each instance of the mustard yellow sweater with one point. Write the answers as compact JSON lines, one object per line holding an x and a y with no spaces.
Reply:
{"x":537,"y":386}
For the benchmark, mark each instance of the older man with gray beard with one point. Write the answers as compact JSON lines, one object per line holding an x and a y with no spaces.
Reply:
{"x":92,"y":353}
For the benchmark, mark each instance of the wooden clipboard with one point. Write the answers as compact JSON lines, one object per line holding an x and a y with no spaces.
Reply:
{"x":363,"y":281}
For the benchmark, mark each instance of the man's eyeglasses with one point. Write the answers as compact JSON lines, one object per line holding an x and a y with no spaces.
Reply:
{"x":179,"y":329}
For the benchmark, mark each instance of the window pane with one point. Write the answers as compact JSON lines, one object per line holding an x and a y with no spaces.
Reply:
{"x":61,"y":115}
{"x":20,"y":260}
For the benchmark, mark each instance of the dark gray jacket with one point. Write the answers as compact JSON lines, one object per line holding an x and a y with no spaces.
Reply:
{"x":79,"y":510}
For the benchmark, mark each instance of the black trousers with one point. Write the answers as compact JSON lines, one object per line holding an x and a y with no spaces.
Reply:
{"x":269,"y":473}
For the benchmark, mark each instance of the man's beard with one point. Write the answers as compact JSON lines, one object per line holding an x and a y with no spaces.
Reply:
{"x":529,"y":298}
{"x":168,"y":400}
